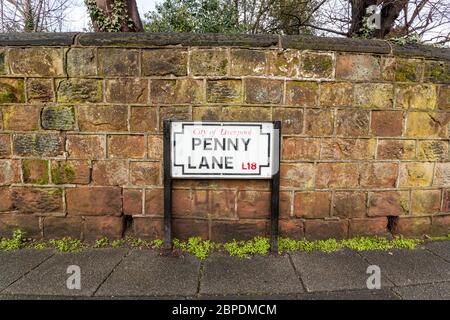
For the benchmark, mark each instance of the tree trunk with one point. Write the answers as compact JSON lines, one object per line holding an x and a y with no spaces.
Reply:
{"x":132,"y":12}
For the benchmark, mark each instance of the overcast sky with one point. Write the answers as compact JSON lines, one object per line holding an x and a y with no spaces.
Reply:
{"x":78,"y":19}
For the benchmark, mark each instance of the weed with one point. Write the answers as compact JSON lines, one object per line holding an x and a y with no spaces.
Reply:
{"x":16,"y":242}
{"x":67,"y":244}
{"x":243,"y":249}
{"x":117,"y":243}
{"x":101,"y":243}
{"x":196,"y":246}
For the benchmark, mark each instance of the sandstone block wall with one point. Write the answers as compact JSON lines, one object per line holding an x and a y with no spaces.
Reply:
{"x":365,"y":134}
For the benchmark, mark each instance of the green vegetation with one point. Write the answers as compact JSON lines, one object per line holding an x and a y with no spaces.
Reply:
{"x":67,"y":244}
{"x":203,"y":248}
{"x":16,"y":242}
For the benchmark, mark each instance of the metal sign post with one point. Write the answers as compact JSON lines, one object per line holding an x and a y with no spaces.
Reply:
{"x":222,"y":150}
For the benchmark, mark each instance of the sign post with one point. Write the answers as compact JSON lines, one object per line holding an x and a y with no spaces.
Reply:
{"x":221,"y":150}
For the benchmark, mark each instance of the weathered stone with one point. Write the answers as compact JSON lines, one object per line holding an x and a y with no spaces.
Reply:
{"x":213,"y":113}
{"x":81,"y":62}
{"x":378,"y":175}
{"x":388,"y":203}
{"x":412,"y":226}
{"x":246,"y":114}
{"x":70,"y":172}
{"x":425,"y":202}
{"x":312,"y":205}
{"x":416,"y":174}
{"x":79,"y":90}
{"x":387,"y":123}
{"x":292,"y":228}
{"x":58,"y":118}
{"x":349,"y":204}
{"x":245,"y":62}
{"x":297,"y":175}
{"x":263,"y":91}
{"x":184,"y":229}
{"x":131,"y":90}
{"x":37,"y":200}
{"x":145,"y":173}
{"x":155,"y":147}
{"x":148,"y":228}
{"x":357,"y":67}
{"x":12,"y":90}
{"x":437,"y":72}
{"x":110,"y":172}
{"x":442,"y":175}
{"x":291,"y":119}
{"x":35,"y":171}
{"x":347,"y":149}
{"x":87,"y":201}
{"x":132,"y":201}
{"x":162,"y":62}
{"x":176,"y":91}
{"x":27,"y":223}
{"x":2,"y":62}
{"x":319,"y":122}
{"x":326,"y":229}
{"x":337,"y":175}
{"x":9,"y":172}
{"x":39,"y":144}
{"x":224,"y":231}
{"x":5,"y":146}
{"x":126,"y":146}
{"x":402,"y":70}
{"x":154,"y":202}
{"x":396,"y":150}
{"x":417,"y":96}
{"x":432,"y":150}
{"x":427,"y":125}
{"x":336,"y":94}
{"x":99,"y":227}
{"x":144,"y":119}
{"x":86,"y":146}
{"x":40,"y":90}
{"x":102,"y":118}
{"x":444,"y":98}
{"x":118,"y":62}
{"x":226,"y":91}
{"x":5,"y":199}
{"x":59,"y":227}
{"x":21,"y":117}
{"x":296,"y":148}
{"x":284,"y":63}
{"x":352,"y":123}
{"x":374,"y":95}
{"x":36,"y":61}
{"x":368,"y":227}
{"x":174,"y":113}
{"x":209,"y":62}
{"x":317,"y":65}
{"x":440,"y":225}
{"x":302,"y":93}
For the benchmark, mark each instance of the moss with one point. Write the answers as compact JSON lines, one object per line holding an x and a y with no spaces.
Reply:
{"x":11,"y":91}
{"x":63,"y":173}
{"x":40,"y":166}
{"x":318,"y":64}
{"x":405,"y":72}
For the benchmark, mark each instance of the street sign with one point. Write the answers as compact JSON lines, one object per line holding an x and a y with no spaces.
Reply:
{"x":223,"y":150}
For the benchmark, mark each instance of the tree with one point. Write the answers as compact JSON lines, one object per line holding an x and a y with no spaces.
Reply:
{"x":114,"y":15}
{"x":33,"y":15}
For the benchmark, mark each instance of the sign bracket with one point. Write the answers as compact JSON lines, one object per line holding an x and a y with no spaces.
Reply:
{"x":168,"y":181}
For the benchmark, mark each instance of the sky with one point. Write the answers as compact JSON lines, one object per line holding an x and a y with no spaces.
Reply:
{"x":78,"y":19}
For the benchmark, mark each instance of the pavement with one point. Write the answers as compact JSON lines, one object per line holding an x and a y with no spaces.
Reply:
{"x":423,"y":273}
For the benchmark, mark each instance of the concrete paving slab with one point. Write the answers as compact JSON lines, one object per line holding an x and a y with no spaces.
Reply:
{"x":429,"y":291}
{"x":363,"y":294}
{"x":146,"y":273}
{"x":50,"y":278}
{"x":441,"y":248}
{"x":407,"y":267}
{"x":343,"y":269}
{"x":15,"y":264}
{"x":225,"y":275}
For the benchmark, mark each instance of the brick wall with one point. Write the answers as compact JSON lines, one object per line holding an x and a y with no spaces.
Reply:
{"x":364,"y":138}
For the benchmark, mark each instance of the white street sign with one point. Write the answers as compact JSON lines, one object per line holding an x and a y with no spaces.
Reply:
{"x":243,"y":150}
